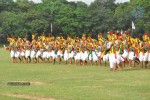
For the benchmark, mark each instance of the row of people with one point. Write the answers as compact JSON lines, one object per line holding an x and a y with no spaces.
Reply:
{"x":117,"y":49}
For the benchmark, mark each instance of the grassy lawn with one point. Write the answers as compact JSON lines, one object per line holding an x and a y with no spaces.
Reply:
{"x":70,"y":82}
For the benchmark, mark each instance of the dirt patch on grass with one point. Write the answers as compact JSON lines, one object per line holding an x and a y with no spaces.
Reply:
{"x":34,"y":83}
{"x":28,"y":97}
{"x":38,"y":83}
{"x":146,"y":93}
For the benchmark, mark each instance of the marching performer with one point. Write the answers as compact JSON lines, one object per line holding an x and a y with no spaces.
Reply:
{"x":115,"y":57}
{"x":22,"y":53}
{"x":84,"y":55}
{"x":12,"y":52}
{"x":124,"y":56}
{"x":33,"y":53}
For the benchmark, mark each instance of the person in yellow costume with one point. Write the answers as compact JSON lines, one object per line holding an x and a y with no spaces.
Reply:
{"x":149,"y":52}
{"x":71,"y":51}
{"x":27,"y":51}
{"x":49,"y":50}
{"x":33,"y":52}
{"x":11,"y":48}
{"x":39,"y":51}
{"x":146,"y":48}
{"x":114,"y":57}
{"x":66,"y":54}
{"x":17,"y":51}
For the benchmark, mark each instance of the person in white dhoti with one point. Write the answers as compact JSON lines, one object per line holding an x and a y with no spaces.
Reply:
{"x":12,"y":53}
{"x":27,"y":51}
{"x":84,"y":56}
{"x":33,"y":54}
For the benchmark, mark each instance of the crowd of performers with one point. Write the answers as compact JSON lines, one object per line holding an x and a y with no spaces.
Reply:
{"x":119,"y":50}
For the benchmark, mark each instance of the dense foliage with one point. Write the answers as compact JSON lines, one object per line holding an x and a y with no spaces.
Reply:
{"x":23,"y":16}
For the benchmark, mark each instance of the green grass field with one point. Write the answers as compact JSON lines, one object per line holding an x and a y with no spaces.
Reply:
{"x":70,"y":82}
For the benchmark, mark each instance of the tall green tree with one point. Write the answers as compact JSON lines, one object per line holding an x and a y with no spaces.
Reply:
{"x":123,"y":16}
{"x":6,"y":5}
{"x":75,"y":18}
{"x":143,"y":22}
{"x":12,"y":23}
{"x":102,"y":12}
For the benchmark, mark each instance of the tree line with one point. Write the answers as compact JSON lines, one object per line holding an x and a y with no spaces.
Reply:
{"x":61,"y":17}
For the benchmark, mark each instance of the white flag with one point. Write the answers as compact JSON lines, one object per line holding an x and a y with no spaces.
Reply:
{"x":121,"y":31}
{"x":133,"y":26}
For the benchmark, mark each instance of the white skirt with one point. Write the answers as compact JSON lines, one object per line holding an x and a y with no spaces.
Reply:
{"x":48,"y":54}
{"x":141,"y":57}
{"x":114,"y":59}
{"x":71,"y":55}
{"x":33,"y":54}
{"x":12,"y":53}
{"x":125,"y":54}
{"x":84,"y":56}
{"x":111,"y":60}
{"x":22,"y":53}
{"x":95,"y":57}
{"x":90,"y":56}
{"x":131,"y":55}
{"x":39,"y":53}
{"x":119,"y":58}
{"x":66,"y":55}
{"x":27,"y":53}
{"x":78,"y":56}
{"x":59,"y":53}
{"x":146,"y":55}
{"x":44,"y":55}
{"x":106,"y":57}
{"x":17,"y":54}
{"x":99,"y":54}
{"x":53,"y":55}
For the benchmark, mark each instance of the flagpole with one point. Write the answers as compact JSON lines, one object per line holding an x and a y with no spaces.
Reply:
{"x":51,"y":27}
{"x":133,"y":28}
{"x":132,"y":33}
